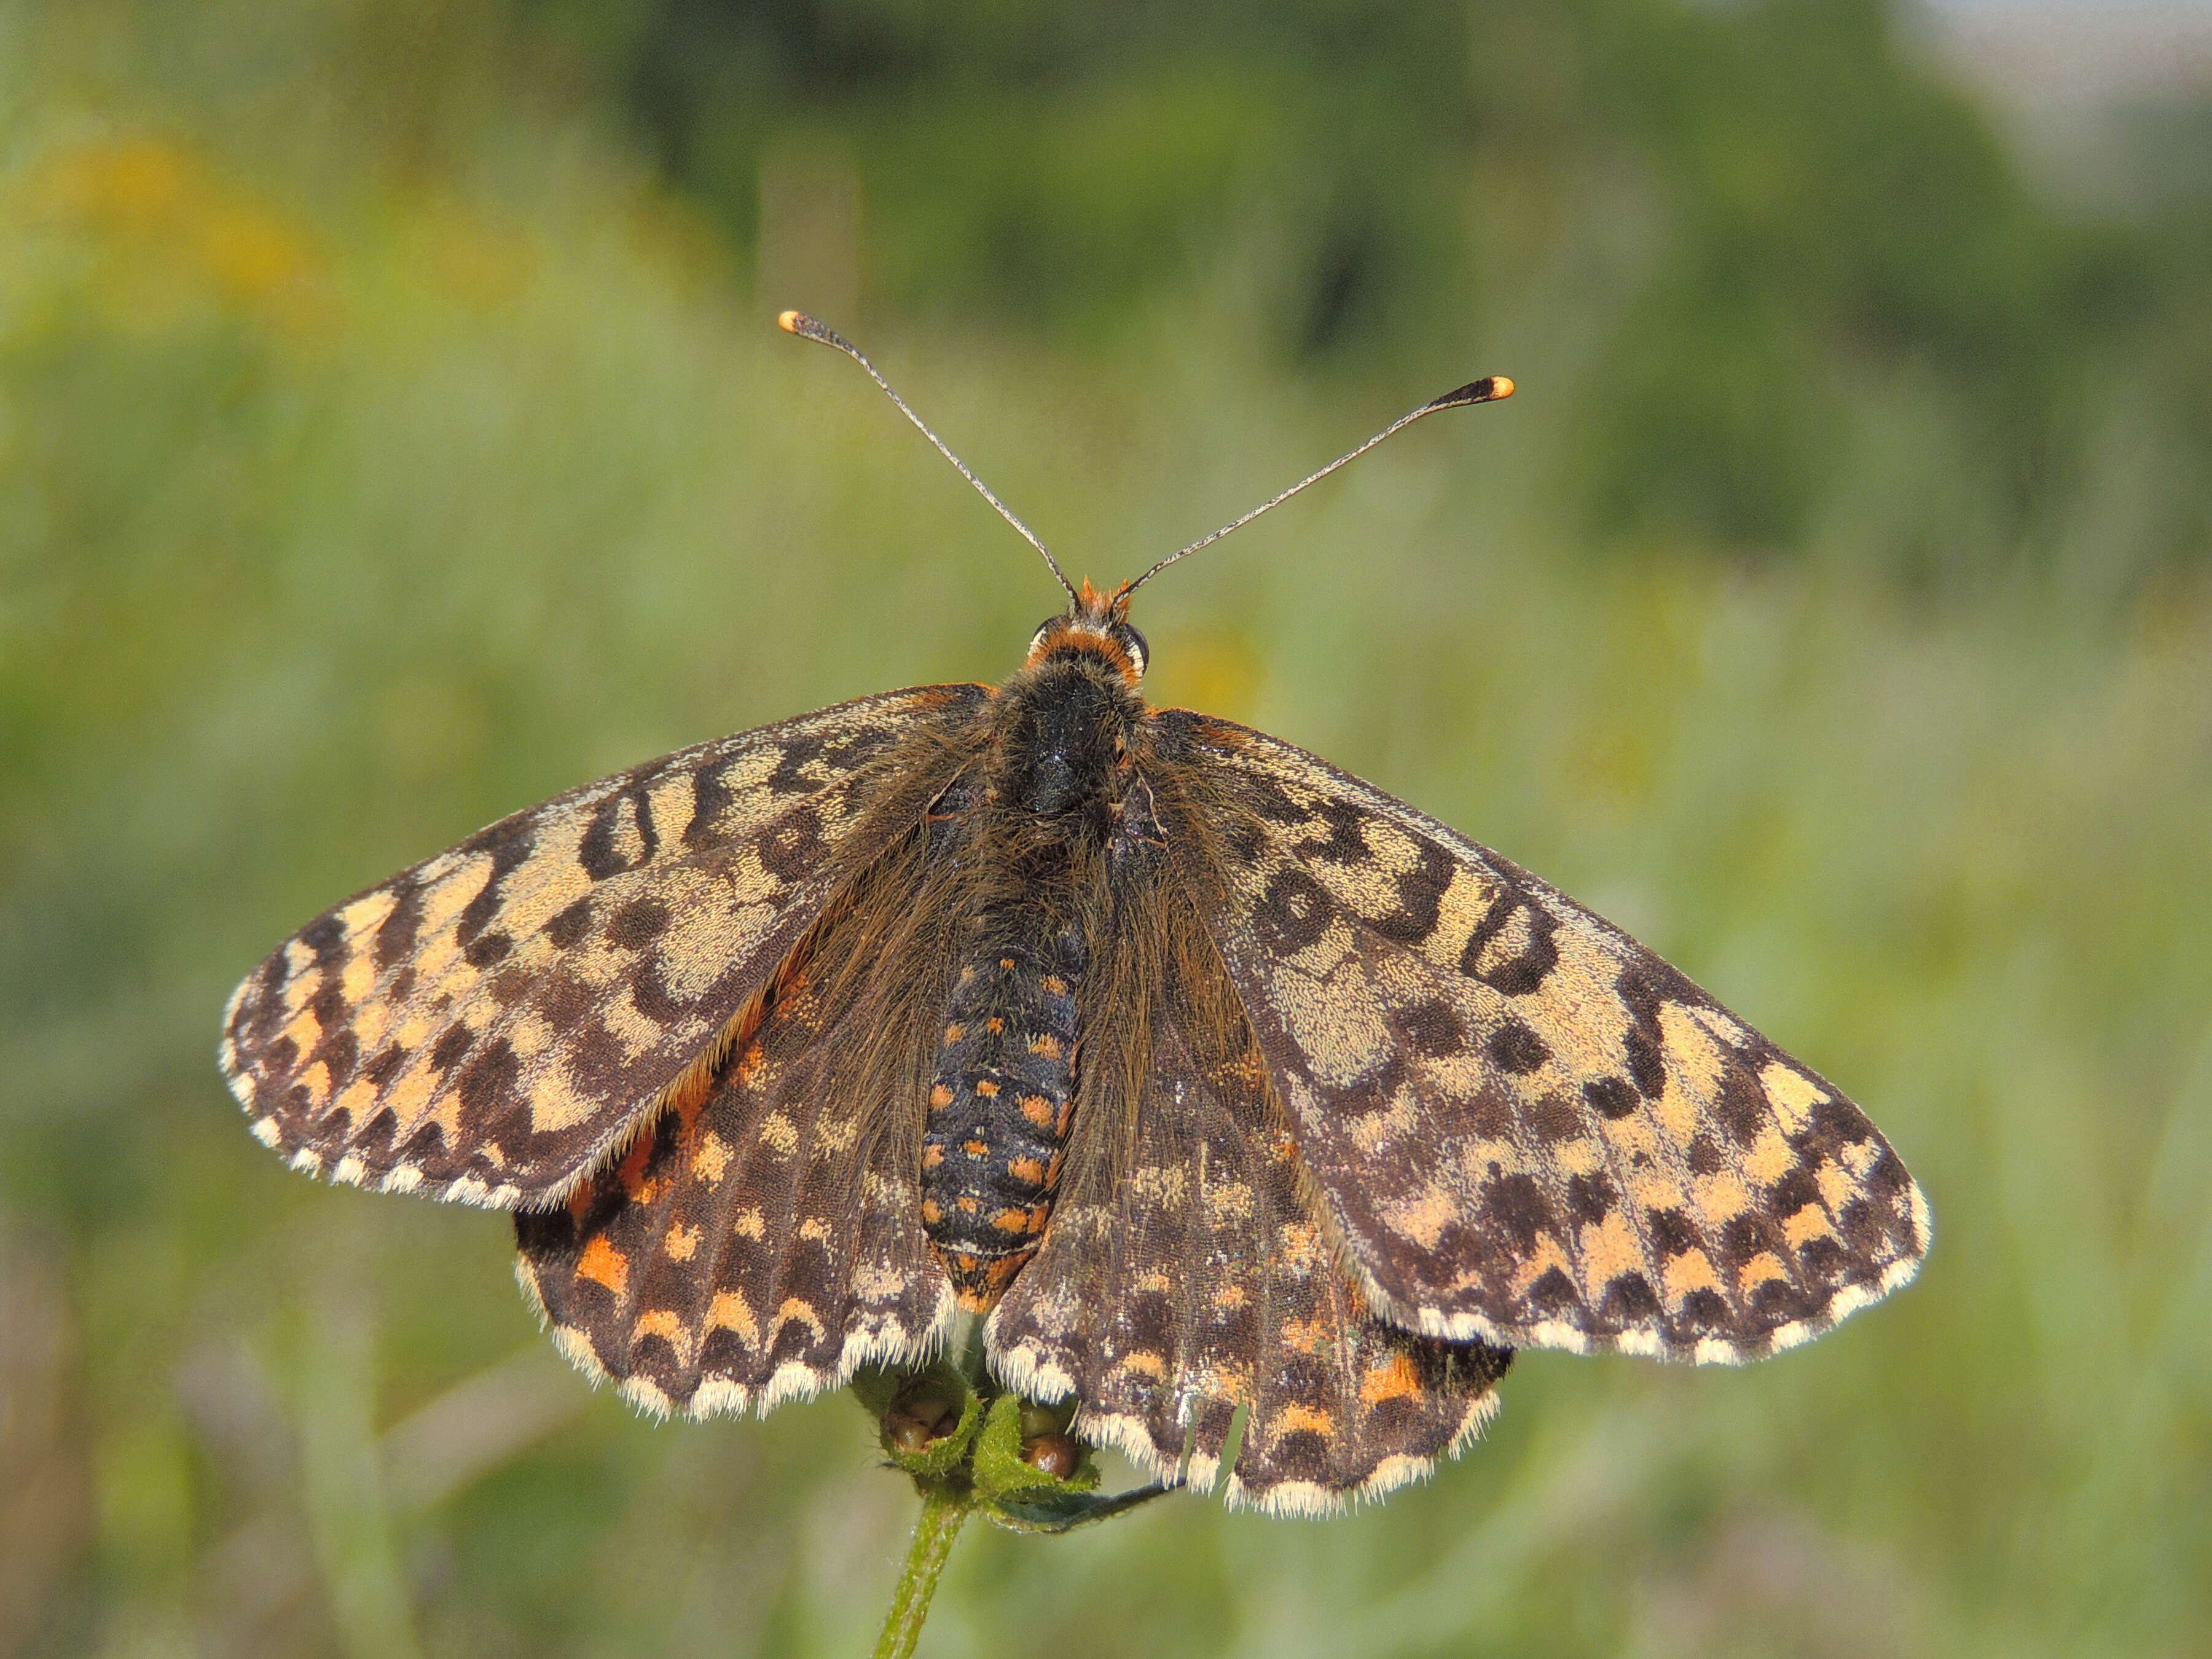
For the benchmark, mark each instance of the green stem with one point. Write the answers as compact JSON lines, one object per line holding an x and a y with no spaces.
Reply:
{"x":934,"y":1533}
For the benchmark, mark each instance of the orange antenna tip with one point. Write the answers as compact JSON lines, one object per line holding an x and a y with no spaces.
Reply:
{"x":1488,"y":390}
{"x":790,"y":320}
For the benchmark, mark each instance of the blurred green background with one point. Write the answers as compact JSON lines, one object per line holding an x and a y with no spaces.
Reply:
{"x":392,"y":433}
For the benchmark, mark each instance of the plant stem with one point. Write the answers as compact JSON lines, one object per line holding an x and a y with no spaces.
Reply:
{"x":934,"y":1533}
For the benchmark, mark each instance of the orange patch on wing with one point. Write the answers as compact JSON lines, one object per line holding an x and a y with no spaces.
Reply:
{"x":633,"y":1180}
{"x":1047,"y":1046}
{"x":985,"y":1088}
{"x":711,"y":1158}
{"x":1036,"y":1109}
{"x":751,"y":1066}
{"x":603,"y":1264}
{"x":1806,"y":1225}
{"x":1295,"y":1419}
{"x":1394,"y":1379}
{"x":662,"y":1323}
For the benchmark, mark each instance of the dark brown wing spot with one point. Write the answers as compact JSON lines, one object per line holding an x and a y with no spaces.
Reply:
{"x":1554,"y":1293}
{"x":396,"y":937}
{"x":1554,"y":1118}
{"x":1629,"y":1301}
{"x":1647,"y":1069}
{"x":487,"y":949}
{"x":569,"y":925}
{"x":510,"y":847}
{"x":638,"y":923}
{"x":1525,"y":952}
{"x":1431,"y":1028}
{"x":490,"y":1081}
{"x":326,"y":937}
{"x":1612,"y":1096}
{"x":1516,"y":1049}
{"x":1517,"y":1206}
{"x":620,"y":835}
{"x":447,"y":1051}
{"x":1293,"y":913}
{"x":1673,"y":1232}
{"x":1591,"y":1198}
{"x":792,"y":847}
{"x":1707,"y":1310}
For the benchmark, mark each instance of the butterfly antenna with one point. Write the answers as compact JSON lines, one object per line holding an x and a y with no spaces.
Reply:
{"x":1489,"y":390}
{"x":812,"y":328}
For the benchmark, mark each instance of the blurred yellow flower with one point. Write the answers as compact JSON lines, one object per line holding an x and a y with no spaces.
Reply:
{"x":172,"y":238}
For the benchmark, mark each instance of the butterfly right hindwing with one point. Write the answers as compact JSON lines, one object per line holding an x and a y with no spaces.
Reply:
{"x":1528,"y":1127}
{"x":762,"y":1237}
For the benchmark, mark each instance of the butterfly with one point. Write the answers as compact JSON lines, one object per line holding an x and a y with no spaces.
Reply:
{"x":1216,"y":1081}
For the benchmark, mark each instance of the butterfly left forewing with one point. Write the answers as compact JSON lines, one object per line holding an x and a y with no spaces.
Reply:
{"x":1527,"y":1126}
{"x":487,"y":1024}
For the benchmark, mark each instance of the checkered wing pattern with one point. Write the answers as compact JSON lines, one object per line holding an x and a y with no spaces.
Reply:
{"x":489,"y":1025}
{"x":1189,"y":1278}
{"x":1525,"y":1126}
{"x":763,"y":1237}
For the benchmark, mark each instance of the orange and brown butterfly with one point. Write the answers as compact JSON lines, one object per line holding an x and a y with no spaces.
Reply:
{"x":1216,"y":1079}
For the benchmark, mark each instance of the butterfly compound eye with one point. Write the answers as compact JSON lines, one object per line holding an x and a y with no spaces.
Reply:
{"x":1133,"y":642}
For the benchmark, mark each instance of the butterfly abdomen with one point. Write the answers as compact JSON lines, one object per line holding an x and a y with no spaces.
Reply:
{"x":1001,"y":1103}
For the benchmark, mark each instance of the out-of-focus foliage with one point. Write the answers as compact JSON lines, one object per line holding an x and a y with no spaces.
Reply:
{"x":1779,"y":230}
{"x":391,"y":435}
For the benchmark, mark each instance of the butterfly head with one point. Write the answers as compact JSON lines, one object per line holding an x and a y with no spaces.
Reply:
{"x":1096,"y":624}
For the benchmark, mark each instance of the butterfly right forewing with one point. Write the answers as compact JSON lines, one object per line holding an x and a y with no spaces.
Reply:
{"x":486,"y":1025}
{"x":1528,"y":1127}
{"x":763,"y":1237}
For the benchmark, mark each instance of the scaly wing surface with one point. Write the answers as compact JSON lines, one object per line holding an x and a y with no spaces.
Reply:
{"x":487,"y":1025}
{"x":1526,"y":1126}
